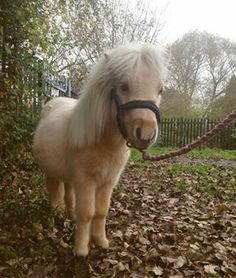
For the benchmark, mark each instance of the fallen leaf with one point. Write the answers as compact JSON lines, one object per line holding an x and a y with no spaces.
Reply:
{"x":157,"y":270}
{"x":144,"y":241}
{"x":120,"y":266}
{"x":64,"y":244}
{"x":221,"y":208}
{"x":194,"y":247}
{"x":179,"y":262}
{"x":12,"y":262}
{"x":210,"y":269}
{"x":118,"y":234}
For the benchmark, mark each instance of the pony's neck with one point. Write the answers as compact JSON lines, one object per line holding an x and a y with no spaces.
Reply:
{"x":93,"y":121}
{"x":112,"y":135}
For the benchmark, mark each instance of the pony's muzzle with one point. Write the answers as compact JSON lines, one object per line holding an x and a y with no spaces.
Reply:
{"x":145,"y":133}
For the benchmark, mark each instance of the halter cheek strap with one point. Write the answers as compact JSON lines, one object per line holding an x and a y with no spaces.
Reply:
{"x":145,"y":104}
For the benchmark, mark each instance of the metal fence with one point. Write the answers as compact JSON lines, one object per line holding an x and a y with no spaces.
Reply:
{"x":43,"y":86}
{"x":178,"y":132}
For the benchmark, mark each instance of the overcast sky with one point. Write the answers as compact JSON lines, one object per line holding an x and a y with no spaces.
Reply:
{"x":213,"y":16}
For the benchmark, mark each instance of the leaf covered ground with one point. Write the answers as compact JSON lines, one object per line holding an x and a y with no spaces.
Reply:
{"x":167,"y":219}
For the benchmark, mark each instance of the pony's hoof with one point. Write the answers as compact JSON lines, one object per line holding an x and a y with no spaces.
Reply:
{"x":102,"y":242}
{"x":81,"y":251}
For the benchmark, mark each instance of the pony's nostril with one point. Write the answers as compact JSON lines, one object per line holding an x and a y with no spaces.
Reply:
{"x":138,"y":133}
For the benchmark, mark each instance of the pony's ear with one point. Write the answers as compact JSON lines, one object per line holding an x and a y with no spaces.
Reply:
{"x":106,"y":57}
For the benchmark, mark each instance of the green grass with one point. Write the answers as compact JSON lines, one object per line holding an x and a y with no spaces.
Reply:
{"x":197,"y":169}
{"x":8,"y":252}
{"x":136,"y":156}
{"x":213,"y":153}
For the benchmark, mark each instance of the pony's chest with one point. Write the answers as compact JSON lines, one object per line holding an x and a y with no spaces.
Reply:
{"x":102,"y":164}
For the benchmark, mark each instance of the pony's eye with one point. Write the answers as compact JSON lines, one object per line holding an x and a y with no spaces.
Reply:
{"x":124,"y":87}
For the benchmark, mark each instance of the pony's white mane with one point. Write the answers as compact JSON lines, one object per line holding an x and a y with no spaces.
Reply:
{"x":94,"y":109}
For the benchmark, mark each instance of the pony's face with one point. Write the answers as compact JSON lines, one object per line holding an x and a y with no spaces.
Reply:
{"x":140,"y":123}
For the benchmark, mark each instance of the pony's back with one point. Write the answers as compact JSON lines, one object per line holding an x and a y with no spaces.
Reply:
{"x":55,"y":104}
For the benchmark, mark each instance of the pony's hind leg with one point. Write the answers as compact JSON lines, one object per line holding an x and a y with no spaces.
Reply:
{"x":55,"y":190}
{"x":70,"y":200}
{"x":98,"y":231}
{"x":85,"y":207}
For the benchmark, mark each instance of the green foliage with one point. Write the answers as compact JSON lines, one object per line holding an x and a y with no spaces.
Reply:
{"x":8,"y":252}
{"x":48,"y":250}
{"x":23,"y":44}
{"x":16,"y":139}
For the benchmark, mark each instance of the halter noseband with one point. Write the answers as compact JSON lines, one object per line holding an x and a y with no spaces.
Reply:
{"x":133,"y":104}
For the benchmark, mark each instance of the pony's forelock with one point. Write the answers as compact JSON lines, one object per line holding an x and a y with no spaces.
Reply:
{"x":94,"y":110}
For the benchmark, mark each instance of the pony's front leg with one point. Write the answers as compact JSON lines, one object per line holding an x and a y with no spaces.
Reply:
{"x":85,"y":208}
{"x":102,"y":203}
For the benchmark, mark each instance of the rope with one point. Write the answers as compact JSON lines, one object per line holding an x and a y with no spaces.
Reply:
{"x":204,"y":138}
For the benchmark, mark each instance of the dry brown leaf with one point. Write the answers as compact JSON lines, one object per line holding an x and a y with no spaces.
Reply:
{"x":118,"y":234}
{"x":194,"y":247}
{"x":179,"y":262}
{"x":157,"y":270}
{"x":12,"y":262}
{"x":210,"y":269}
{"x":144,"y":241}
{"x":64,"y":244}
{"x":221,"y":208}
{"x":112,"y":262}
{"x":120,"y":266}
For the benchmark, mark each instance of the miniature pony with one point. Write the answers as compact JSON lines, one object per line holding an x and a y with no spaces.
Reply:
{"x":81,"y":145}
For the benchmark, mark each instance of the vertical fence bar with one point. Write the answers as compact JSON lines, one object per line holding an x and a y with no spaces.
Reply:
{"x":177,"y":132}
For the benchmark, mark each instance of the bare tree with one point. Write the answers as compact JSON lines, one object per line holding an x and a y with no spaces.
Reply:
{"x":135,"y":21}
{"x":227,"y":101}
{"x":200,"y":67}
{"x":186,"y":64}
{"x":87,"y":28}
{"x":220,"y":56}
